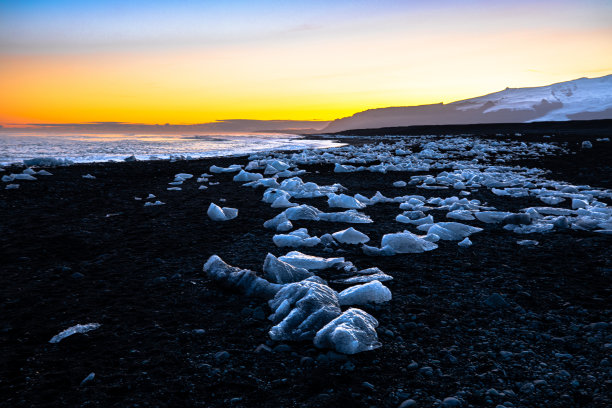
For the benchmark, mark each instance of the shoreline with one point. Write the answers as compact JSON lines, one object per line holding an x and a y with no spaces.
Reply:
{"x":84,"y":251}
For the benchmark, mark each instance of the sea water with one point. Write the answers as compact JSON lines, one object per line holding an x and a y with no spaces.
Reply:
{"x":84,"y":148}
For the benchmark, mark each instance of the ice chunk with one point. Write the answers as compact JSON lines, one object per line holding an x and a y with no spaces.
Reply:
{"x":371,"y":292}
{"x":301,"y":309}
{"x":352,"y":332}
{"x":399,"y":183}
{"x":350,"y":236}
{"x":273,"y":194}
{"x":587,"y":144}
{"x":465,"y":243}
{"x":88,"y":176}
{"x":278,"y":271}
{"x":282,"y":202}
{"x":217,"y":213}
{"x":79,"y":328}
{"x":463,"y":215}
{"x":296,"y":239}
{"x":376,"y":274}
{"x":182,"y":176}
{"x":577,"y":203}
{"x":23,"y":176}
{"x":349,"y":216}
{"x":303,"y":212}
{"x":386,"y":250}
{"x":551,"y":200}
{"x":409,"y":220}
{"x":280,"y":223}
{"x":491,"y":217}
{"x":344,"y":201}
{"x":450,"y":231}
{"x":11,"y":187}
{"x":309,"y":262}
{"x":527,"y":242}
{"x":44,"y":173}
{"x":407,"y":243}
{"x":241,"y":280}
{"x":231,"y":169}
{"x":246,"y":176}
{"x":154,"y":203}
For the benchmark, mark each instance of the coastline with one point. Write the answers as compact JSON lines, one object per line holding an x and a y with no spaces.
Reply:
{"x":84,"y":250}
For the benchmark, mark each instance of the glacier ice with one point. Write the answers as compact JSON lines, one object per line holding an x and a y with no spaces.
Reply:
{"x":241,"y":280}
{"x":246,"y":176}
{"x":350,"y":236}
{"x":79,"y":328}
{"x":217,"y":213}
{"x":309,"y":262}
{"x":407,"y":243}
{"x":371,"y":292}
{"x":296,"y":239}
{"x":344,"y":201}
{"x":449,"y":231}
{"x":278,"y":271}
{"x":301,"y":309}
{"x":352,"y":332}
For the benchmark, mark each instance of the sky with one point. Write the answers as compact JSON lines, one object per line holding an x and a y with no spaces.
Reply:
{"x":185,"y":62}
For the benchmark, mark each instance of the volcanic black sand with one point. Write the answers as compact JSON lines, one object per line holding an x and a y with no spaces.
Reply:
{"x":75,"y":250}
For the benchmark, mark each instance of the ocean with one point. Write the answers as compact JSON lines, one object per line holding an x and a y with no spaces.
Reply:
{"x":86,"y":148}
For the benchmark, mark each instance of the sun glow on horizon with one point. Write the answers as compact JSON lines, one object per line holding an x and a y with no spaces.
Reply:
{"x":315,"y":63}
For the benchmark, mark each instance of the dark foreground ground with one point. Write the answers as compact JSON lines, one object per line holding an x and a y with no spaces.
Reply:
{"x":74,"y":251}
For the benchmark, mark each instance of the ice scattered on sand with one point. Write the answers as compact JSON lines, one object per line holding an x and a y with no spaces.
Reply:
{"x":217,"y":213}
{"x":231,"y":169}
{"x":278,"y":271}
{"x":406,"y":243}
{"x":344,"y":201}
{"x":350,"y":236}
{"x":365,"y":276}
{"x":301,"y":309}
{"x":79,"y":328}
{"x":295,"y":239}
{"x":241,"y":280}
{"x":449,"y":231}
{"x":371,"y":292}
{"x":246,"y":176}
{"x":23,"y":176}
{"x":352,"y":332}
{"x":491,"y":217}
{"x":465,"y":243}
{"x":309,"y":262}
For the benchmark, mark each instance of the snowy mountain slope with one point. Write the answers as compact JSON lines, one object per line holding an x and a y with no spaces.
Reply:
{"x":577,"y":96}
{"x":580,"y":99}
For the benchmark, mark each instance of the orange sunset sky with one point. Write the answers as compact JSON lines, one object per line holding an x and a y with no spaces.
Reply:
{"x":195,"y":62}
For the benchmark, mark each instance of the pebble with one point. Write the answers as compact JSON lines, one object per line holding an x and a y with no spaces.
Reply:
{"x":408,"y":403}
{"x":451,"y":402}
{"x":88,"y":379}
{"x":222,"y":356}
{"x":496,"y":301}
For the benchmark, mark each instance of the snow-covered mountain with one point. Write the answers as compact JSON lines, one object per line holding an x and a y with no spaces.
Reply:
{"x":580,"y":99}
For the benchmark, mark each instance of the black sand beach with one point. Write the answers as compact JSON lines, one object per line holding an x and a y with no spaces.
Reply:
{"x":77,"y":250}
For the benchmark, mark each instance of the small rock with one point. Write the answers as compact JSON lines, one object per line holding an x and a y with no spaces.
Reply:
{"x":496,"y":301}
{"x":367,"y":385}
{"x":408,"y":403}
{"x":77,"y":275}
{"x":451,"y":402}
{"x":222,"y":356}
{"x":282,"y":348}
